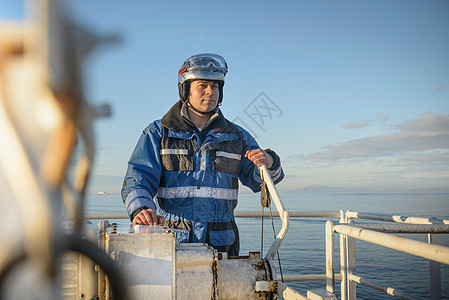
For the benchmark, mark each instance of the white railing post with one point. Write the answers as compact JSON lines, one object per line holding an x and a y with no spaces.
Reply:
{"x":434,"y":269}
{"x":330,"y":279}
{"x":343,"y":263}
{"x":350,"y":260}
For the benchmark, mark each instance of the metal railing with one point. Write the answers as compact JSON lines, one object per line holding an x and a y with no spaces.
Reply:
{"x":237,"y":214}
{"x":348,"y":232}
{"x":378,"y":234}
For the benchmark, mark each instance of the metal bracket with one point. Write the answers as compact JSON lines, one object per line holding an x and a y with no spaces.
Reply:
{"x":266,"y":286}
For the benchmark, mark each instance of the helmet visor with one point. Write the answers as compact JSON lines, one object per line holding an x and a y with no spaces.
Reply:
{"x":205,"y":62}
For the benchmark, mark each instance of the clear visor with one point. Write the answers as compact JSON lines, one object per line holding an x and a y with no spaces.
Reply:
{"x":208,"y":62}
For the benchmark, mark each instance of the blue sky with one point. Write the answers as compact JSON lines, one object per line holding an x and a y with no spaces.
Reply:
{"x":351,"y":94}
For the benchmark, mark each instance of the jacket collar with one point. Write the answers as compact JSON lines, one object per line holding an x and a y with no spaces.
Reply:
{"x":174,"y":119}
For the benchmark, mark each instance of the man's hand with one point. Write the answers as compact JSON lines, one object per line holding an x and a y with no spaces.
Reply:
{"x":259,"y":157}
{"x":148,"y":217}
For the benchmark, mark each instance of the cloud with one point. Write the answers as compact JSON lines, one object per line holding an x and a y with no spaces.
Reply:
{"x":430,"y":132}
{"x":429,"y":124}
{"x":356,"y":125}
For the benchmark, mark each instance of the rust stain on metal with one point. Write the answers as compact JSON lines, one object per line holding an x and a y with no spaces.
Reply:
{"x":214,"y":293}
{"x":259,"y":265}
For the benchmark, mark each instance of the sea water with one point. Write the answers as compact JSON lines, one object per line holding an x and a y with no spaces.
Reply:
{"x":303,"y":249}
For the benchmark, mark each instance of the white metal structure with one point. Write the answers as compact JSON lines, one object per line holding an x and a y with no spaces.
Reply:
{"x":283,"y":214}
{"x":154,"y":266}
{"x":377,"y":234}
{"x":346,"y":272}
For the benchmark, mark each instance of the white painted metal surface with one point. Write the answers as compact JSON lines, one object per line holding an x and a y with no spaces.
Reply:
{"x":394,"y":218}
{"x":435,"y":271}
{"x":288,"y":293}
{"x":347,"y":257}
{"x":320,"y":295}
{"x":429,"y":251}
{"x":147,"y":262}
{"x":156,"y":267}
{"x":271,"y":253}
{"x":434,"y":253}
{"x":79,"y":277}
{"x":347,"y":249}
{"x":237,"y":214}
{"x":196,"y":272}
{"x":388,"y":290}
{"x":306,"y":277}
{"x":237,"y":277}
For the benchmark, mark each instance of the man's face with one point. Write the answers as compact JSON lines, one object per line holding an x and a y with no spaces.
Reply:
{"x":204,"y":95}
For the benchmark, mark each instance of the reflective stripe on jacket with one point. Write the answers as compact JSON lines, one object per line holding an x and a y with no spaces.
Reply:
{"x":194,"y":175}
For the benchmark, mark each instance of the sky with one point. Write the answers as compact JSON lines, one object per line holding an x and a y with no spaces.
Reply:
{"x":352,"y":95}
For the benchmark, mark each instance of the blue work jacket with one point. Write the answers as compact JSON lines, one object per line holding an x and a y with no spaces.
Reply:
{"x":194,"y":176}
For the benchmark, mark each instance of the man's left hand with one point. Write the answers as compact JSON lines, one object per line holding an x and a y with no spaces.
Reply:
{"x":259,"y":157}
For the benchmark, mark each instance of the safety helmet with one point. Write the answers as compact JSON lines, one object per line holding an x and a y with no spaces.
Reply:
{"x":207,"y":66}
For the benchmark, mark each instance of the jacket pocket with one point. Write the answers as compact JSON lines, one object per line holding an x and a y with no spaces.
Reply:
{"x":176,"y":160}
{"x":227,"y":162}
{"x":222,"y":237}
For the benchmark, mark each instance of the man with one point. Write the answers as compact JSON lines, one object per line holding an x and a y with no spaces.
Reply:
{"x":192,"y":160}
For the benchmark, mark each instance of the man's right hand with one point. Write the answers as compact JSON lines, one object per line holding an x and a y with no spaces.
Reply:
{"x":148,"y":217}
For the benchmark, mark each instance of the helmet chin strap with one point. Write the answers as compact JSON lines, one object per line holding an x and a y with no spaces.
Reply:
{"x":203,"y":113}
